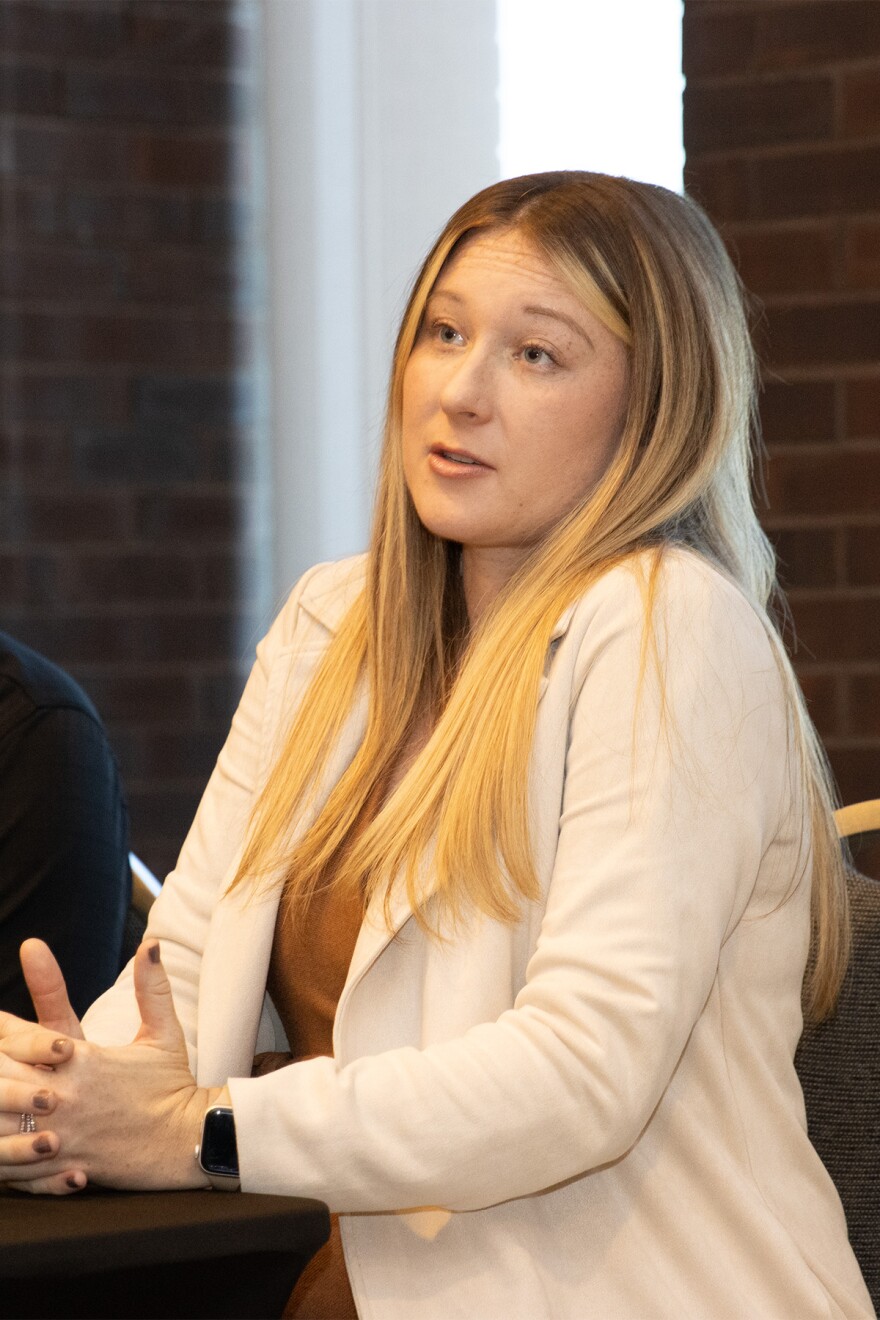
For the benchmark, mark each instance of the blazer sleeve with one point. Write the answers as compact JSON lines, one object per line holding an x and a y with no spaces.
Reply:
{"x":181,"y":915}
{"x":674,"y":787}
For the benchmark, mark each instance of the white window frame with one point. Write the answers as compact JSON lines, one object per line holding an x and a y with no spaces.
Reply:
{"x":381,"y":118}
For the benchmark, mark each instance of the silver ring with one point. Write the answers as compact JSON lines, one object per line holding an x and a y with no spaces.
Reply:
{"x":27,"y":1123}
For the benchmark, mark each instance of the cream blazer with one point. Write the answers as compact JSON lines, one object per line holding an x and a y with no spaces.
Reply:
{"x":592,"y":1113}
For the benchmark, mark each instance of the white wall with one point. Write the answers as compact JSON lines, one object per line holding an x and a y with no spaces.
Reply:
{"x":595,"y":85}
{"x":381,"y":118}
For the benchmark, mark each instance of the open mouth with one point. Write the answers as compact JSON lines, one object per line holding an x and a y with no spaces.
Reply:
{"x":458,"y":458}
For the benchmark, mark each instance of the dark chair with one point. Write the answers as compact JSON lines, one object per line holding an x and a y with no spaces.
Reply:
{"x":838,"y":1062}
{"x":145,"y":889}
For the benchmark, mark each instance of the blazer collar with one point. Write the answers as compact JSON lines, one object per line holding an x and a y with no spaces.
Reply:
{"x":328,"y":603}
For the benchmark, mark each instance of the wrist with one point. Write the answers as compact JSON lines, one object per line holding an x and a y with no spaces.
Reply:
{"x":216,"y":1154}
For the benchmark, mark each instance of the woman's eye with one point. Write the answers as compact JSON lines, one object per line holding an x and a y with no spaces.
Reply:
{"x":536,"y":356}
{"x":447,"y":334}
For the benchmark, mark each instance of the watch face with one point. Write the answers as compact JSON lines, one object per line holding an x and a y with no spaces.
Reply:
{"x":219,"y":1153}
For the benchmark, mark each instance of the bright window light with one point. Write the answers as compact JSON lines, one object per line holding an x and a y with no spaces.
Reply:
{"x":591,"y":85}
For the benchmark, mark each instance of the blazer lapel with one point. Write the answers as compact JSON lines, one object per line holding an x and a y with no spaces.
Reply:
{"x":235,"y":964}
{"x":377,"y":932}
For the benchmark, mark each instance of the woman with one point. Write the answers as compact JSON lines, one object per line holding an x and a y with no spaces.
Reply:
{"x":535,"y":782}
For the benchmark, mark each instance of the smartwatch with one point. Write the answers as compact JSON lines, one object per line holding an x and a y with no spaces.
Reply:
{"x":217,"y":1154}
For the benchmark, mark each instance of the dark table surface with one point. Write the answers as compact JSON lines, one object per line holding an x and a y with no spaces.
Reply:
{"x":198,"y":1253}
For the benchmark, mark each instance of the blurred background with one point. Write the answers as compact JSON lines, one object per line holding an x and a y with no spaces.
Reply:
{"x":211,"y":212}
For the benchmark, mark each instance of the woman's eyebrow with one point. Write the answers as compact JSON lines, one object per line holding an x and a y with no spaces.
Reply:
{"x":444,"y":293}
{"x":529,"y":309}
{"x":533,"y":310}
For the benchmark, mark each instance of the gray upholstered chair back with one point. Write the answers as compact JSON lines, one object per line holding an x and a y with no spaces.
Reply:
{"x":838,"y":1062}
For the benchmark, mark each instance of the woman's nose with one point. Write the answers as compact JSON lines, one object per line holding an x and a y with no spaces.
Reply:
{"x":467,"y":390}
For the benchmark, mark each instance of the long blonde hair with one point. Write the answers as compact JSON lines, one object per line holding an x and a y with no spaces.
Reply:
{"x":652,"y":267}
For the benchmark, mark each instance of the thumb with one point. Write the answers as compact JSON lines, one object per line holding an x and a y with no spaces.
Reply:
{"x":48,"y":991}
{"x":159,"y":1023}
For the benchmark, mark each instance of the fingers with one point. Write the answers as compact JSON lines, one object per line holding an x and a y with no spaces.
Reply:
{"x":22,"y":1155}
{"x":55,"y":1184}
{"x":34,"y":1044}
{"x":153,"y":993}
{"x":20,"y":1097}
{"x":47,"y":989}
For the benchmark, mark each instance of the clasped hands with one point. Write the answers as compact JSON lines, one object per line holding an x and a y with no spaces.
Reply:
{"x":122,"y":1116}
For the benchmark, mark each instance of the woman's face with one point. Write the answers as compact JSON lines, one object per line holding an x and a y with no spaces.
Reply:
{"x":514,"y":400}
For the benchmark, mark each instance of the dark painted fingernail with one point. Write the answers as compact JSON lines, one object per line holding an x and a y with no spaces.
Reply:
{"x":153,"y":953}
{"x":42,"y":1100}
{"x":75,"y":1182}
{"x":43,"y":1146}
{"x":59,"y":1046}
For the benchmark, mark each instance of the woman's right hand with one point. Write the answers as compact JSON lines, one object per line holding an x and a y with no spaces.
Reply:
{"x":29,"y":1053}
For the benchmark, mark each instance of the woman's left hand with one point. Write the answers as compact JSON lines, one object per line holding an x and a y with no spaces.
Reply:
{"x":125,"y":1116}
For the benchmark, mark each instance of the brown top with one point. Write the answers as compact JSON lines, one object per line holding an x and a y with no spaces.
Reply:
{"x":306,"y":975}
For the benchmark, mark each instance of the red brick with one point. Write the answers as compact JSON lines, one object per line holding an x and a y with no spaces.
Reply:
{"x":716,"y":43}
{"x":863,"y":408}
{"x":210,"y":400}
{"x":823,"y":701}
{"x":136,"y":340}
{"x":45,"y":516}
{"x":189,"y":33}
{"x":807,"y":556}
{"x":40,"y":396}
{"x":860,"y":103}
{"x":722,"y":187}
{"x":731,"y":116}
{"x":862,"y":254}
{"x":786,"y":260}
{"x":171,"y":160}
{"x":832,"y":333}
{"x":58,"y":274}
{"x":150,"y":97}
{"x":863,"y":555}
{"x":825,"y":481}
{"x":29,"y":89}
{"x":221,"y":575}
{"x":186,"y":277}
{"x":863,"y":707}
{"x":151,"y":454}
{"x":837,"y":628}
{"x":160,"y":818}
{"x":119,"y":639}
{"x":40,"y":27}
{"x":62,"y":151}
{"x":797,"y":412}
{"x":820,"y":182}
{"x":146,"y":753}
{"x":13,"y":580}
{"x":143,"y":106}
{"x":199,"y":517}
{"x":38,"y":211}
{"x":855,"y":769}
{"x":39,"y":457}
{"x":219,"y":695}
{"x":94,"y":217}
{"x":816,"y":33}
{"x":145,"y":696}
{"x":111,"y":578}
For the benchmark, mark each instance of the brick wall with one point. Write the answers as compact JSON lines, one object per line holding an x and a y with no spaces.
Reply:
{"x":782,"y":133}
{"x":132,"y":534}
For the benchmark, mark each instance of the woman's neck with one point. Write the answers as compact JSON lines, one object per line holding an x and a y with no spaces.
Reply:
{"x":485,"y":571}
